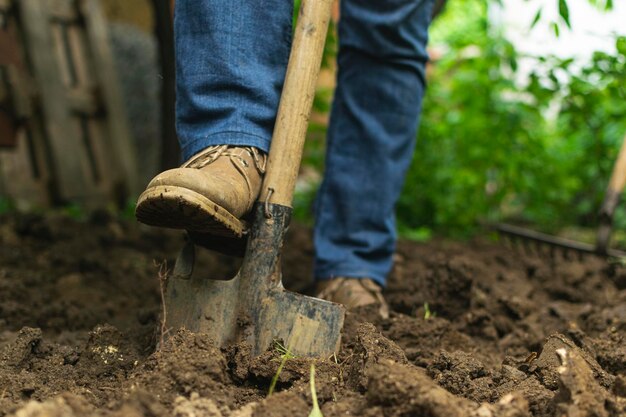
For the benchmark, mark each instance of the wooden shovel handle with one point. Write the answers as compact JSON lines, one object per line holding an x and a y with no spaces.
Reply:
{"x":296,"y":102}
{"x":611,"y":199}
{"x":616,"y":184}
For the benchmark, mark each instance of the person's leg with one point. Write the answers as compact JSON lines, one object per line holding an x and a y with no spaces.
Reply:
{"x":371,"y":137}
{"x":231,"y":59}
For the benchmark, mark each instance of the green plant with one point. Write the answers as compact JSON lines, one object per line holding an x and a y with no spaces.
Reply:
{"x":285,"y":355}
{"x":128,"y":211}
{"x":476,"y":134}
{"x":315,"y":412}
{"x":75,"y":211}
{"x":564,"y":15}
{"x":492,"y":147}
{"x":6,"y":205}
{"x":427,"y":313}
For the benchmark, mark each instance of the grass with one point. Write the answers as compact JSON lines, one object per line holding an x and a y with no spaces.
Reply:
{"x":315,"y":412}
{"x":285,"y":355}
{"x":427,"y":313}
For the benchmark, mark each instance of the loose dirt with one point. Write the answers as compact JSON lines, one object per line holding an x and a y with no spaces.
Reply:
{"x":505,"y":333}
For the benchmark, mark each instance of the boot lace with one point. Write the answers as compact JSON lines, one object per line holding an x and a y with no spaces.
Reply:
{"x":234,"y":153}
{"x":212,"y":153}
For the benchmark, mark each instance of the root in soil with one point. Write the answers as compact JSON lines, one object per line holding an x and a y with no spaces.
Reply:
{"x":163,"y":275}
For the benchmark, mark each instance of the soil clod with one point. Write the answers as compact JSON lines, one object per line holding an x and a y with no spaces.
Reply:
{"x":504,"y":334}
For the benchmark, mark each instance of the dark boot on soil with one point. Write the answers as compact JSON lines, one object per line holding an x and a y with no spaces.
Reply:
{"x":353,"y":293}
{"x":209,"y":194}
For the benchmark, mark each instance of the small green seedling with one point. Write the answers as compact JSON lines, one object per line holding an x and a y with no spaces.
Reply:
{"x":615,"y":261}
{"x":427,"y":313}
{"x":285,"y":355}
{"x":74,"y":211}
{"x":315,"y":412}
{"x":6,"y":205}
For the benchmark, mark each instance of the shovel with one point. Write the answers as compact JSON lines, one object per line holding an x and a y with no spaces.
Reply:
{"x":254,"y":307}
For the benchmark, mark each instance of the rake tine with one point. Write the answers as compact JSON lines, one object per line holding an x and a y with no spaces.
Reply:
{"x":553,"y":252}
{"x":502,"y":237}
{"x":509,"y":241}
{"x":515,"y":243}
{"x":512,"y":241}
{"x":532,"y":243}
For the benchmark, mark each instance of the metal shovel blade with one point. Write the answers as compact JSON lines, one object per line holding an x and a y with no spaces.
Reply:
{"x":254,"y":307}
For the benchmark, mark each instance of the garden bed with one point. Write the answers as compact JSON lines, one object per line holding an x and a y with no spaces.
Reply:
{"x":504,"y":334}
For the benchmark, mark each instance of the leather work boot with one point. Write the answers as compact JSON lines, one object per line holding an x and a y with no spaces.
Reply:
{"x":208,"y":194}
{"x":353,"y":292}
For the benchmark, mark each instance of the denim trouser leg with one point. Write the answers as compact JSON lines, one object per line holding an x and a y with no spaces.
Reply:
{"x":231,"y":58}
{"x":371,"y":136}
{"x":230,"y":61}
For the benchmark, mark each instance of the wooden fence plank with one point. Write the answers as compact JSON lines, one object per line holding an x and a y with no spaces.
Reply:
{"x":81,"y":56}
{"x":84,"y":102}
{"x":61,"y":53}
{"x":63,"y":10}
{"x":23,"y":172}
{"x":68,"y":172}
{"x":24,"y":167}
{"x":78,"y":147}
{"x":119,"y":132}
{"x":88,"y":107}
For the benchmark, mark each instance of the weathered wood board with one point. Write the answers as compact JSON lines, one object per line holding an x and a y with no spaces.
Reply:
{"x":69,"y":101}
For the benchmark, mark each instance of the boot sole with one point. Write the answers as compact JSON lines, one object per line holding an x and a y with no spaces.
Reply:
{"x":181,"y":208}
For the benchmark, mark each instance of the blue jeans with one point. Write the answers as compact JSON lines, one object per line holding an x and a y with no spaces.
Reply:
{"x":231,"y":59}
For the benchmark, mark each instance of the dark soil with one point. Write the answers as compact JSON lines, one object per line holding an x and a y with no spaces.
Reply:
{"x":509,"y":334}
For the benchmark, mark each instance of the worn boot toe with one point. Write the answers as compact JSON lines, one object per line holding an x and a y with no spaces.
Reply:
{"x":209,"y":194}
{"x":353,"y":293}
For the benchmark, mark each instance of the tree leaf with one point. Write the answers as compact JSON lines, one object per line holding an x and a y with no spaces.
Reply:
{"x":537,"y":17}
{"x":602,"y":4}
{"x":564,"y":12}
{"x":555,"y":28}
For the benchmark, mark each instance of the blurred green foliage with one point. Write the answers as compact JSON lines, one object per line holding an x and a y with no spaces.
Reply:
{"x":497,"y":146}
{"x":6,"y":205}
{"x":490,"y":148}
